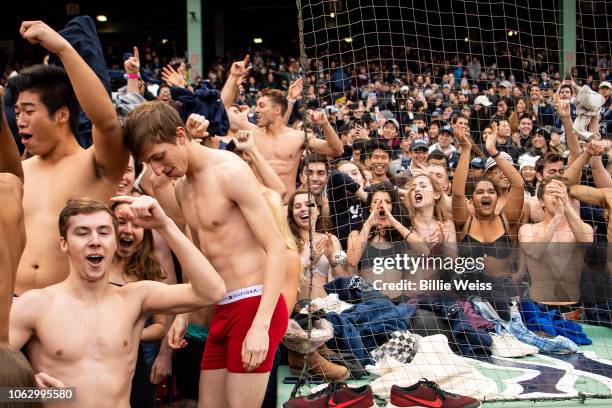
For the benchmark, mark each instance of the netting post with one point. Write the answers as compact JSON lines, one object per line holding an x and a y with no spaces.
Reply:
{"x":567,"y":56}
{"x":194,"y":36}
{"x":307,"y":124}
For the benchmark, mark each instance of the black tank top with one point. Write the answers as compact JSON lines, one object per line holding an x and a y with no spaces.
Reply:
{"x":501,"y":248}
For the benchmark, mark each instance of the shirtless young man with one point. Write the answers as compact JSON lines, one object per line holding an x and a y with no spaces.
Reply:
{"x":554,"y":261}
{"x":47,"y":117}
{"x":230,"y":221}
{"x":97,"y":355}
{"x":280,"y":145}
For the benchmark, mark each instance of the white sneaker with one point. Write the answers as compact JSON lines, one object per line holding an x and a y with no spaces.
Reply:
{"x":506,"y":345}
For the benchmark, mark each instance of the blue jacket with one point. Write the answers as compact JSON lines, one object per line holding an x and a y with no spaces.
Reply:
{"x":367,"y":326}
{"x":206,"y":101}
{"x":81,"y":33}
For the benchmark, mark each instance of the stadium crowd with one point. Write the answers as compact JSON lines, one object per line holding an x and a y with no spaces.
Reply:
{"x":317,"y":174}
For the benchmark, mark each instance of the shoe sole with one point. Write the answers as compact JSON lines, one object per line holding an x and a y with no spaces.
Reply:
{"x":296,"y":371}
{"x":390,"y":405}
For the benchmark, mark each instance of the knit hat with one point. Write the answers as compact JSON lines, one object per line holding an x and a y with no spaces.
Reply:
{"x":527,"y":160}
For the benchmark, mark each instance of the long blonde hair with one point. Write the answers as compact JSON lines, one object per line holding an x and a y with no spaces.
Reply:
{"x":440,"y":211}
{"x":276,"y":205}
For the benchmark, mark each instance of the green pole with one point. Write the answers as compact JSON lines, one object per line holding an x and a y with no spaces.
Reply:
{"x":194,"y":37}
{"x":567,"y":54}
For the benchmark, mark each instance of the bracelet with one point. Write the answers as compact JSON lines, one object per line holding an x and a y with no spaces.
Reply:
{"x":133,"y":76}
{"x":291,"y":100}
{"x":494,"y":156}
{"x":410,"y":232}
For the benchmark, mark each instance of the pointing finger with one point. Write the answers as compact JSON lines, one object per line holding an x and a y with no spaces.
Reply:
{"x":136,"y":54}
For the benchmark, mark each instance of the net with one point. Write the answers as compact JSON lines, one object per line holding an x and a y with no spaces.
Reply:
{"x":483,"y":317}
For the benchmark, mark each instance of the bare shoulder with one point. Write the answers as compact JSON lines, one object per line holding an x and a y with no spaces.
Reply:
{"x":32,"y":301}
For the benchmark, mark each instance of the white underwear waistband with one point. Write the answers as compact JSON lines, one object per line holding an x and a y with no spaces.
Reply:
{"x":240,"y":294}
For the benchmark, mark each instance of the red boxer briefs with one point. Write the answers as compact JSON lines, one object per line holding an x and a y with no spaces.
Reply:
{"x":231,"y":321}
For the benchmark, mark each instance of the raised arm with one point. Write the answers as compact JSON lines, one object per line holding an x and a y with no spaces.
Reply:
{"x":582,"y":231}
{"x":574,"y":171}
{"x":563,"y":109}
{"x":294,"y":93}
{"x":588,"y":195}
{"x":516,"y":196}
{"x":109,"y":151}
{"x":245,"y":142}
{"x":460,"y":209}
{"x":331,"y":146}
{"x":205,"y":286}
{"x":253,"y":206}
{"x":229,"y":93}
{"x":132,"y":69}
{"x":10,"y":161}
{"x":601,"y":175}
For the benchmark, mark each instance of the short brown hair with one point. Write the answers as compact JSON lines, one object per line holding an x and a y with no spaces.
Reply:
{"x":83,"y":206}
{"x":547,"y":181}
{"x":150,"y":123}
{"x":277,"y":98}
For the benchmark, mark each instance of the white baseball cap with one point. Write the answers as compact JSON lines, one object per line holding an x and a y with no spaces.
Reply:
{"x":605,"y":84}
{"x":482,"y":100}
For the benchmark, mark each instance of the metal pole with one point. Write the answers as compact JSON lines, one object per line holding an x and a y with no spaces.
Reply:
{"x":567,"y":40}
{"x":194,"y":37}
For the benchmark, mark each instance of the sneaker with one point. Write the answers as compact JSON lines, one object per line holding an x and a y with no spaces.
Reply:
{"x":317,"y":365}
{"x":507,"y":345}
{"x":337,"y":395}
{"x":428,"y":394}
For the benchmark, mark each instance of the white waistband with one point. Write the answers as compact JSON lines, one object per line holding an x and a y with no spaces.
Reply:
{"x":240,"y":294}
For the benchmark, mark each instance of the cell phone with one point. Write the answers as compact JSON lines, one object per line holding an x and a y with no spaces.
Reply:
{"x":373,"y":95}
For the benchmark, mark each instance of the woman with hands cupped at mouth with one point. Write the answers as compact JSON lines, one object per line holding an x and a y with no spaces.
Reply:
{"x":384,"y":235}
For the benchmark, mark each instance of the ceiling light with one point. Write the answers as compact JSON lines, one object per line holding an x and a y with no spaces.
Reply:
{"x":101,"y":18}
{"x":348,"y":39}
{"x":257,"y":40}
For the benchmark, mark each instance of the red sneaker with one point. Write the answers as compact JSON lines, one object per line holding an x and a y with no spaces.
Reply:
{"x":335,"y":395}
{"x":428,"y":394}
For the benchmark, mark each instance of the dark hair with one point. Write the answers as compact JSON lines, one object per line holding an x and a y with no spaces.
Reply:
{"x":571,"y":88}
{"x":544,"y":160}
{"x":320,"y":225}
{"x":376,"y":144}
{"x":397,"y":210}
{"x":53,"y":86}
{"x":316,"y":158}
{"x":471,"y":184}
{"x":458,"y":116}
{"x":277,"y":98}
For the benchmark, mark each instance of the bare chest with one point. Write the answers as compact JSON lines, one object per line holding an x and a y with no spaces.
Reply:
{"x":283,"y":152}
{"x":206,"y":208}
{"x":48,"y":188}
{"x":87,"y":333}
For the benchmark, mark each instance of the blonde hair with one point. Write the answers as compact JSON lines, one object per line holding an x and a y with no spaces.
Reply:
{"x":440,"y":211}
{"x":276,"y":205}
